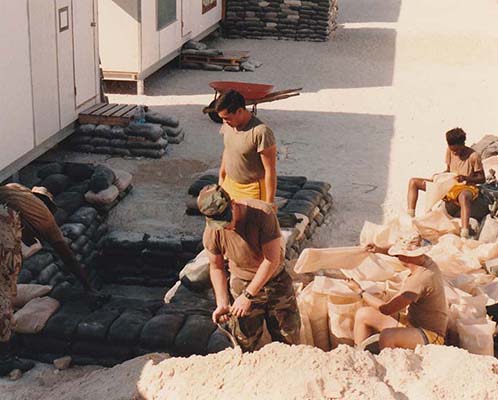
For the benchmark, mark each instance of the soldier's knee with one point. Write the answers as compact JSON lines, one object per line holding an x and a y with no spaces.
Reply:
{"x":387,"y":338}
{"x":364,"y":314}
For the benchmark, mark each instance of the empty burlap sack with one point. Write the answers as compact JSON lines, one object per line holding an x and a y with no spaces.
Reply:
{"x":341,"y":312}
{"x":314,"y":305}
{"x":438,"y":188}
{"x":312,"y":260}
{"x":35,"y":314}
{"x":195,"y":275}
{"x":384,"y":236}
{"x":476,"y":336}
{"x":103,"y":197}
{"x":28,"y":292}
{"x":123,"y":179}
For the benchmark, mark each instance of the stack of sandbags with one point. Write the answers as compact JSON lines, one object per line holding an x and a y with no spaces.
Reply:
{"x":311,"y":20}
{"x":195,"y":48}
{"x":107,"y":187}
{"x":149,"y":139}
{"x":303,"y":206}
{"x":133,"y":258}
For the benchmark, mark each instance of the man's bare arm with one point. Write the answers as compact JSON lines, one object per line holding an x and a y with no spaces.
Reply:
{"x":398,"y":303}
{"x":218,"y":278}
{"x":223,"y":171}
{"x":269,"y":160}
{"x":271,"y":254}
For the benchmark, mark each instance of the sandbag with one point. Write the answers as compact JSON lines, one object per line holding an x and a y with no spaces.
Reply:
{"x":477,"y":338}
{"x":438,"y":188}
{"x":435,"y":224}
{"x":69,"y":201}
{"x":157,"y":118}
{"x":78,"y":172}
{"x":149,"y":153}
{"x":159,"y":333}
{"x":86,"y":129}
{"x":341,"y":313}
{"x":195,"y":275}
{"x":123,"y":179}
{"x":218,"y":341}
{"x":28,"y":292}
{"x":194,"y":335}
{"x":127,"y":328}
{"x":104,"y":197}
{"x":178,"y":139}
{"x":73,"y":230}
{"x":314,"y":306}
{"x":103,"y":131}
{"x":333,"y":288}
{"x":375,"y":267}
{"x":81,"y":187}
{"x":102,"y":178}
{"x":56,"y":183}
{"x":312,"y":260}
{"x":384,"y":236}
{"x":50,"y":169}
{"x":84,"y":216}
{"x":96,"y":325}
{"x":35,"y":314}
{"x":172,"y":132}
{"x":489,"y":230}
{"x":147,"y":130}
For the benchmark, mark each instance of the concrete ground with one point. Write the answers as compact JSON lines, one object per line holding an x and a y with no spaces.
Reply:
{"x":376,"y":101}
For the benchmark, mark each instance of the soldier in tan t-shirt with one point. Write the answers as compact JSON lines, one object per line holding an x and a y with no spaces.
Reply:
{"x":248,"y":166}
{"x":422,"y":292}
{"x":467,"y":165}
{"x":247,"y":233}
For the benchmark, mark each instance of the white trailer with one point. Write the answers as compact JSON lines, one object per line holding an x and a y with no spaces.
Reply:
{"x":49,"y":72}
{"x":137,"y":37}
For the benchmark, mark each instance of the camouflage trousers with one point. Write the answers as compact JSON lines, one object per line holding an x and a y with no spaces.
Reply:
{"x":10,"y":265}
{"x":275,"y":304}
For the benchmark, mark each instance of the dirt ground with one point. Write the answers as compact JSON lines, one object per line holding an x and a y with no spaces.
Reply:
{"x":375,"y":104}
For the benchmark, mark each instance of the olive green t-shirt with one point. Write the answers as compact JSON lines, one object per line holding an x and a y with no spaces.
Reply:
{"x":243,"y":246}
{"x":34,"y":214}
{"x":466,"y":164}
{"x":430,"y":309}
{"x":242,"y":147}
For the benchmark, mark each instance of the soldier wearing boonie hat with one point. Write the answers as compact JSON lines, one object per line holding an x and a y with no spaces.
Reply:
{"x":426,"y":319}
{"x":247,"y":233}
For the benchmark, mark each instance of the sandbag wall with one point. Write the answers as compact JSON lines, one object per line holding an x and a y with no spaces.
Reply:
{"x":312,"y":20}
{"x":133,"y":258}
{"x":149,"y":139}
{"x":302,"y":206}
{"x":109,"y":330}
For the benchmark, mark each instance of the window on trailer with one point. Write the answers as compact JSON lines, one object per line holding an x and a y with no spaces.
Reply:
{"x":166,"y":13}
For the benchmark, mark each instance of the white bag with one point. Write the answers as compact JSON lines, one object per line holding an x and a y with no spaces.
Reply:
{"x":490,"y":163}
{"x":489,"y":230}
{"x":376,"y":267}
{"x":477,"y":338}
{"x":341,"y":319}
{"x":435,"y":224}
{"x":384,"y":236}
{"x":312,"y":260}
{"x":438,"y":188}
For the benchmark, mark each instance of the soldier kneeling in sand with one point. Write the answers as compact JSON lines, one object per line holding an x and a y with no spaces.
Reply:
{"x":422,"y":292}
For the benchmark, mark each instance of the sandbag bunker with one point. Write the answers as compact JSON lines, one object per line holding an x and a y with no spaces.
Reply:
{"x":155,"y":291}
{"x":312,"y":20}
{"x":148,"y":139}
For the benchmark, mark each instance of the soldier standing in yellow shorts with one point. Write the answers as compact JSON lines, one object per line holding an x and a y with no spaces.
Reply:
{"x":248,"y":166}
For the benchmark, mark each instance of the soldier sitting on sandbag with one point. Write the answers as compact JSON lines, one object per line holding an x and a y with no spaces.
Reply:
{"x":24,"y":215}
{"x":422,"y":292}
{"x":467,"y":165}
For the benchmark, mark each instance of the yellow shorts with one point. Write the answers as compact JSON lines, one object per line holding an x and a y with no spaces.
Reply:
{"x":240,"y":191}
{"x":430,"y":337}
{"x":455,"y":191}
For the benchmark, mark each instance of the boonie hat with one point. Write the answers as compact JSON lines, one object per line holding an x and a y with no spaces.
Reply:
{"x":214,"y":203}
{"x":410,"y":246}
{"x":44,"y":195}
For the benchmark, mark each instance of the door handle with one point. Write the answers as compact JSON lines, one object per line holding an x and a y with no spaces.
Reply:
{"x":93,"y":24}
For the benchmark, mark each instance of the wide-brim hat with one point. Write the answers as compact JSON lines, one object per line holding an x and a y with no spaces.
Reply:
{"x":409,"y":246}
{"x":215,"y":204}
{"x":44,"y":195}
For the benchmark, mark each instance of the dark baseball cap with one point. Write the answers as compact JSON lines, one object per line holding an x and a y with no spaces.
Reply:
{"x":215,"y":204}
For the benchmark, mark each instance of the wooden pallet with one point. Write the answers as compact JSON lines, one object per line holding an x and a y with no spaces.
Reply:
{"x":109,"y":114}
{"x":228,"y":58}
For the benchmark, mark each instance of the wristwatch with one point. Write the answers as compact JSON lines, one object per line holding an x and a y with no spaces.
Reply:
{"x":247,"y":295}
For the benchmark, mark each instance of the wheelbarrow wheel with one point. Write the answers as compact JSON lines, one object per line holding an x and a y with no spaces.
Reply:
{"x":213,"y":114}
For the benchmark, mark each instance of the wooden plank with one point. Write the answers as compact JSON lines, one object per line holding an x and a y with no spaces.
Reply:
{"x":114,"y":110}
{"x":123,"y":111}
{"x":93,"y":108}
{"x":130,"y":113}
{"x":104,"y":109}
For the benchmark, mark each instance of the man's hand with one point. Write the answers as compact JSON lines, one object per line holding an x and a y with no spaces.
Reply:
{"x":240,"y":306}
{"x":221,"y":314}
{"x":461,"y":178}
{"x":371,"y":248}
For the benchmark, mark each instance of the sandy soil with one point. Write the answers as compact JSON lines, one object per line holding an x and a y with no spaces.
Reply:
{"x":376,"y":101}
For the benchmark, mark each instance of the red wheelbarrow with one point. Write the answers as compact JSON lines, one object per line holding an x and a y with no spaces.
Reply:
{"x":254,"y":93}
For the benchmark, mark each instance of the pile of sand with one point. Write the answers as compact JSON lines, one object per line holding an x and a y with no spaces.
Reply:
{"x":302,"y":372}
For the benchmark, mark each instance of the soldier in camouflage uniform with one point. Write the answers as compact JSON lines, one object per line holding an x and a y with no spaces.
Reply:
{"x":10,"y":265}
{"x":247,"y":233}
